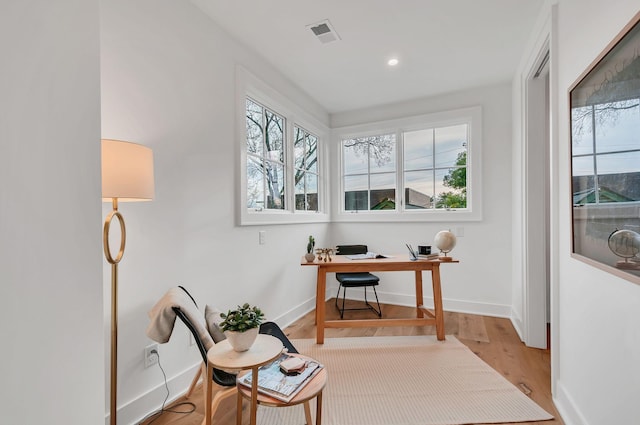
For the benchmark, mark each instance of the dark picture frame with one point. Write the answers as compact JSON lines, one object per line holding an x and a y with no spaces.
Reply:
{"x":605,"y":158}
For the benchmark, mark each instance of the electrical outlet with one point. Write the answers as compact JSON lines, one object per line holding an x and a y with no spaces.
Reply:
{"x":150,"y":358}
{"x":262,"y":236}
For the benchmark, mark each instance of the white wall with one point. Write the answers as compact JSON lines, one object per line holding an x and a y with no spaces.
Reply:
{"x":481,"y":282}
{"x":527,"y":281}
{"x":168,"y":77}
{"x":51,"y":361}
{"x":597,"y":374}
{"x":168,"y":82}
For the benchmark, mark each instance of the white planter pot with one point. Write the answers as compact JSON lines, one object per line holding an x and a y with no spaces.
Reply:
{"x":241,"y":341}
{"x":310,"y":257}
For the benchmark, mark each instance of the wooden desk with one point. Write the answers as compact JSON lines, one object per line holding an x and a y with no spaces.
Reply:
{"x":311,"y":389}
{"x":342,"y":264}
{"x":265,"y":349}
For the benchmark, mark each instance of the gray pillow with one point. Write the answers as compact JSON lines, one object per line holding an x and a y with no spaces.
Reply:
{"x":213,"y":319}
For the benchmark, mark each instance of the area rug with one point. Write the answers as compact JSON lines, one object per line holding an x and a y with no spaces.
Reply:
{"x":407,"y":380}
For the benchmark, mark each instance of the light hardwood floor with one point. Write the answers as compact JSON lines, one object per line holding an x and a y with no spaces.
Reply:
{"x":493,"y":339}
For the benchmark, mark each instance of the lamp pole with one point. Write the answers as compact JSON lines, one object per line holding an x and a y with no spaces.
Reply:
{"x":114,"y":301}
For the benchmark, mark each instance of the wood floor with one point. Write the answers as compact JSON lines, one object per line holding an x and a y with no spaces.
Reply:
{"x":493,"y":339}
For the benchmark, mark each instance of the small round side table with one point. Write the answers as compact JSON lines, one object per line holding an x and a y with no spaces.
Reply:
{"x":265,"y":349}
{"x":312,"y":389}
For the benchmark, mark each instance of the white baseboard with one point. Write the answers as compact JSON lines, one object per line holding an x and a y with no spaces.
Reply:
{"x":516,"y":321}
{"x":567,"y":407}
{"x":458,"y":306}
{"x":295,"y":313}
{"x":136,"y":410}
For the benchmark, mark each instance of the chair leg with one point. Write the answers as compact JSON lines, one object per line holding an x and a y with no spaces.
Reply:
{"x":344,"y":295}
{"x":194,"y":382}
{"x":379,"y":311}
{"x":218,"y":398}
{"x":368,"y":305}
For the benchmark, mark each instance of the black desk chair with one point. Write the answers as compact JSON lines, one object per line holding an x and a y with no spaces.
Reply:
{"x":356,"y":280}
{"x":220,"y":377}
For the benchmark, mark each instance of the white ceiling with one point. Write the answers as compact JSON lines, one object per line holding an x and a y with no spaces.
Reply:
{"x":443,"y":45}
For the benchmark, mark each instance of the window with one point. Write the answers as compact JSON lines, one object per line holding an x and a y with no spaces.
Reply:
{"x":413,"y":169}
{"x":369,"y":172}
{"x":305,"y":150}
{"x":281,"y":152}
{"x":265,"y":158}
{"x":435,"y":168}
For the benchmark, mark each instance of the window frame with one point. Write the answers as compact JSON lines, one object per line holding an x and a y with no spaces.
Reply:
{"x":249,"y":86}
{"x":472,"y":117}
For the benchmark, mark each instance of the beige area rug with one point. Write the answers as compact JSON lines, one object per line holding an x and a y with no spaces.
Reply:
{"x":407,"y":380}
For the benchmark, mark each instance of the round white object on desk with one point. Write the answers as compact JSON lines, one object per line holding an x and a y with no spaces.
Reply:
{"x":445,"y":241}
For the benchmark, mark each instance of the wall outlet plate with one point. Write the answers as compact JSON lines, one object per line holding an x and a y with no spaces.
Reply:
{"x":150,"y":358}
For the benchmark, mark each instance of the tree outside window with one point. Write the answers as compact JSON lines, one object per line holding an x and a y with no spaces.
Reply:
{"x":265,"y":158}
{"x":305,"y":150}
{"x":435,"y":168}
{"x":433,"y":173}
{"x":369,"y":173}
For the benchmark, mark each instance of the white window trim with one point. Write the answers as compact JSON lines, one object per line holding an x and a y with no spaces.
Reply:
{"x":248,"y":85}
{"x":471,"y":116}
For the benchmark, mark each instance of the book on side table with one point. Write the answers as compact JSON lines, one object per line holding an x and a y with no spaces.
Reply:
{"x":273,"y":382}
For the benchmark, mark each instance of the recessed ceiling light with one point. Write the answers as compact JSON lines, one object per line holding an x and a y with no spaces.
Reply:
{"x":392,"y":62}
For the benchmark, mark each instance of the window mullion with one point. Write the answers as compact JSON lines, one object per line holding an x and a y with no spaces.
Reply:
{"x":400,"y":195}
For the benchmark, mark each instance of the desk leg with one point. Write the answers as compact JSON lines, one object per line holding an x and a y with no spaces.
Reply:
{"x":320,"y":304}
{"x":437,"y":301}
{"x":419,"y":296}
{"x":254,"y":396}
{"x":319,"y":408}
{"x":208,"y":386}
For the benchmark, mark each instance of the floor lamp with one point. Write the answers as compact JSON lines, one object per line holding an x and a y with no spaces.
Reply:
{"x":127,"y":176}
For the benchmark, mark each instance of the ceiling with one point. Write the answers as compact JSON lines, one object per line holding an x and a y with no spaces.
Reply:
{"x":443,"y":45}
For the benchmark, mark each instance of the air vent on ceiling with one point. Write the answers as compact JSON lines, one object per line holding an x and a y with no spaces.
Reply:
{"x":324,"y":31}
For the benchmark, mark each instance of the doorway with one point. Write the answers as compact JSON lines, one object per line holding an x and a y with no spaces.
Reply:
{"x":537,"y":216}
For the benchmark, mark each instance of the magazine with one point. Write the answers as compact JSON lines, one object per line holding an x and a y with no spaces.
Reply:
{"x":273,"y":382}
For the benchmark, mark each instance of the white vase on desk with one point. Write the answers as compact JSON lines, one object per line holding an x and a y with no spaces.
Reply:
{"x":309,"y":257}
{"x":242,"y":341}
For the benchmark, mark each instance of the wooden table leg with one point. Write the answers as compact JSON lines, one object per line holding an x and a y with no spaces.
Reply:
{"x":239,"y":408}
{"x":319,"y":408}
{"x":307,"y":413}
{"x":208,"y":386}
{"x":254,"y":396}
{"x":318,"y":297}
{"x":320,"y":305}
{"x":419,"y":296}
{"x":437,"y":301}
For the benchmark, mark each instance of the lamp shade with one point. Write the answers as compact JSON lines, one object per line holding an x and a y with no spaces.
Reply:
{"x":127,"y":171}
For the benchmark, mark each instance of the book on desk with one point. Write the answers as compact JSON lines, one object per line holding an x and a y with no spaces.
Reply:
{"x":274,"y":383}
{"x":367,"y":256}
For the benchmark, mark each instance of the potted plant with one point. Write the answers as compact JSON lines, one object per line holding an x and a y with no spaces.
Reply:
{"x":241,"y":326}
{"x":310,"y":256}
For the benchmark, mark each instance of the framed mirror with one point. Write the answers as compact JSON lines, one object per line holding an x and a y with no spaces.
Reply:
{"x":605,"y":157}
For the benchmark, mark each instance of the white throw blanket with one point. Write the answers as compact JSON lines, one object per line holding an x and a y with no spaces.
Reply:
{"x":163,"y":317}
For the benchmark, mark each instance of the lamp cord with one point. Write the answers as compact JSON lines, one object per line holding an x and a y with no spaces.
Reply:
{"x":155,"y":415}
